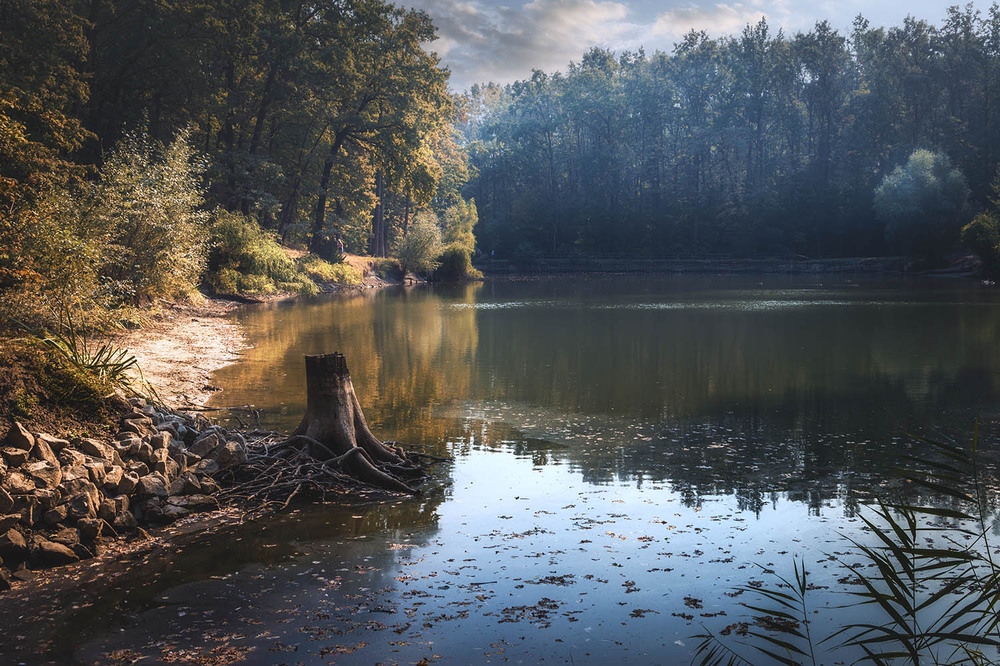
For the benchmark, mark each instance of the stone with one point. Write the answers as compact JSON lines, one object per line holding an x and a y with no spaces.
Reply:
{"x":54,"y":554}
{"x":168,"y":468}
{"x":153,"y":484}
{"x":5,"y":581}
{"x":6,"y":501}
{"x":145,"y":453}
{"x":194,"y":503}
{"x":140,"y":426}
{"x":92,"y":447}
{"x":170,"y":513}
{"x":17,"y":483}
{"x":76,"y":486}
{"x":204,"y":446}
{"x":56,"y":515}
{"x":124,"y":522}
{"x":137,"y":402}
{"x":31,"y":510}
{"x":73,"y":472}
{"x":48,"y":498}
{"x":14,"y":456}
{"x":80,"y":506}
{"x":55,"y":443}
{"x":230,"y":454}
{"x":207,"y":467}
{"x":83,"y":552}
{"x":67,"y":536}
{"x":160,"y":440}
{"x":19,"y":438}
{"x":150,"y":510}
{"x":208,"y":485}
{"x":8,"y":521}
{"x":97,"y":472}
{"x":90,"y":528}
{"x":43,"y":451}
{"x":45,"y":474}
{"x":128,"y":483}
{"x":113,"y":476}
{"x":13,"y":546}
{"x":70,"y":457}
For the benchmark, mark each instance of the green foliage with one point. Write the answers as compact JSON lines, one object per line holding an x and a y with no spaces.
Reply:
{"x":246,"y":260}
{"x":418,"y":251}
{"x":930,"y":579}
{"x":455,"y":264}
{"x":460,"y":220}
{"x":323,"y":271}
{"x":922,"y":203}
{"x":388,"y":268}
{"x":982,"y":236}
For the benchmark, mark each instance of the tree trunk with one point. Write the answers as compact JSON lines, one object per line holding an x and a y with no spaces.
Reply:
{"x":334,"y":427}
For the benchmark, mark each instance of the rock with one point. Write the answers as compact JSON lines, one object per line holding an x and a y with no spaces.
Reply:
{"x":8,"y":521}
{"x":54,"y":554}
{"x":54,"y":443}
{"x":80,"y":506}
{"x":5,"y":581}
{"x":137,"y":402}
{"x":194,"y":503}
{"x":6,"y":501}
{"x":14,"y":456}
{"x":67,"y":536}
{"x":56,"y":515}
{"x":17,"y":483}
{"x":145,"y":453}
{"x":92,"y":447}
{"x":168,"y":468}
{"x":76,"y":486}
{"x":160,"y":440}
{"x":230,"y":454}
{"x":186,"y":484}
{"x":13,"y":546}
{"x":207,"y":467}
{"x":90,"y":528}
{"x":83,"y":552}
{"x":170,"y":513}
{"x":45,"y":474}
{"x":140,"y":426}
{"x":208,"y":485}
{"x":43,"y":451}
{"x":128,"y":483}
{"x":138,"y":468}
{"x":153,"y":484}
{"x":74,"y":472}
{"x":31,"y":510}
{"x":204,"y":446}
{"x":97,"y":472}
{"x":113,"y":477}
{"x":150,"y":510}
{"x":124,"y":522}
{"x":48,"y":498}
{"x":70,"y":457}
{"x":19,"y":438}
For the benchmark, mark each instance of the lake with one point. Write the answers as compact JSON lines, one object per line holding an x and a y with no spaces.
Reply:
{"x":626,"y":450}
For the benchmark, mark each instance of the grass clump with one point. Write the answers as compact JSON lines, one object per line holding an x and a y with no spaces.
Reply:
{"x":245,"y":260}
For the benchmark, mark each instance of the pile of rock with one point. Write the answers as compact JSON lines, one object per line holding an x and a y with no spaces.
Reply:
{"x":60,"y":499}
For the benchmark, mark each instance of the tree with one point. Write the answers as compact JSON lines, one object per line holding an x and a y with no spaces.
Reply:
{"x":923,"y":204}
{"x":459,"y":221}
{"x":420,"y":247}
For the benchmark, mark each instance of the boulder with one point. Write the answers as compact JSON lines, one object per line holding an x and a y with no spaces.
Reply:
{"x":45,"y":474}
{"x":6,"y":501}
{"x":74,"y":472}
{"x":170,"y":513}
{"x":113,"y":476}
{"x":205,"y":445}
{"x":43,"y":451}
{"x":30,"y":508}
{"x":51,"y":553}
{"x":128,"y":483}
{"x":18,"y":483}
{"x":76,"y":486}
{"x":67,"y":536}
{"x":70,"y":457}
{"x":90,"y":528}
{"x":56,"y":515}
{"x":160,"y":440}
{"x":140,"y":426}
{"x":194,"y":503}
{"x":185,"y":484}
{"x":81,"y":506}
{"x":14,"y":456}
{"x":124,"y":522}
{"x":19,"y":438}
{"x":54,"y":443}
{"x":8,"y":521}
{"x":154,"y":484}
{"x":13,"y":546}
{"x":145,"y":453}
{"x":230,"y":454}
{"x":48,"y":498}
{"x":151,"y":510}
{"x":97,"y":472}
{"x":208,"y":485}
{"x":207,"y":467}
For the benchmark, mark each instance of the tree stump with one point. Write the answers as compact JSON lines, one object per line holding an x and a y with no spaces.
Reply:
{"x":334,"y":429}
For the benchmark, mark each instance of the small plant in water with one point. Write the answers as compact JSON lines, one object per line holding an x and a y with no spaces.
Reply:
{"x":929,"y":584}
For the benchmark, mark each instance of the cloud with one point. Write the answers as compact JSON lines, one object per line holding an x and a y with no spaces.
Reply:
{"x":504,"y":43}
{"x":722,"y":19}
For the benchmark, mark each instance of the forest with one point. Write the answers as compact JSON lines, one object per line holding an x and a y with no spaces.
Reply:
{"x":757,"y":144}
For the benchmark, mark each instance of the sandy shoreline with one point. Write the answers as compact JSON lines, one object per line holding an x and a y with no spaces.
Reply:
{"x":184,"y":346}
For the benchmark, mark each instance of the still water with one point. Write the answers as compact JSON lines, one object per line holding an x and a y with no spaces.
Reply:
{"x":626,"y":451}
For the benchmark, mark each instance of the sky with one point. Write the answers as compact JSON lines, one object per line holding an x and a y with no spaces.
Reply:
{"x":503,"y":40}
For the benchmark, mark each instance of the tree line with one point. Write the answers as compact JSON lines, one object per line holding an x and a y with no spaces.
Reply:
{"x":316,"y":120}
{"x":758,"y":144}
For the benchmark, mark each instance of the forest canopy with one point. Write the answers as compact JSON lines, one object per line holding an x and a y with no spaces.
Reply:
{"x":757,"y":144}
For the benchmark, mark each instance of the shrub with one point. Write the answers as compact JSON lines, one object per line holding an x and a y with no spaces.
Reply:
{"x":244,"y":259}
{"x":982,"y":236}
{"x":388,"y":268}
{"x":456,"y":265}
{"x":324,"y":271}
{"x":419,"y":249}
{"x":459,"y":221}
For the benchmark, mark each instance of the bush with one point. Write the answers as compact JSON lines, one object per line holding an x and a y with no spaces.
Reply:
{"x":324,"y":271}
{"x":456,"y":265}
{"x":388,"y":268}
{"x":982,"y":236}
{"x":246,"y":260}
{"x":459,"y":221}
{"x":922,"y":204}
{"x":420,"y":248}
